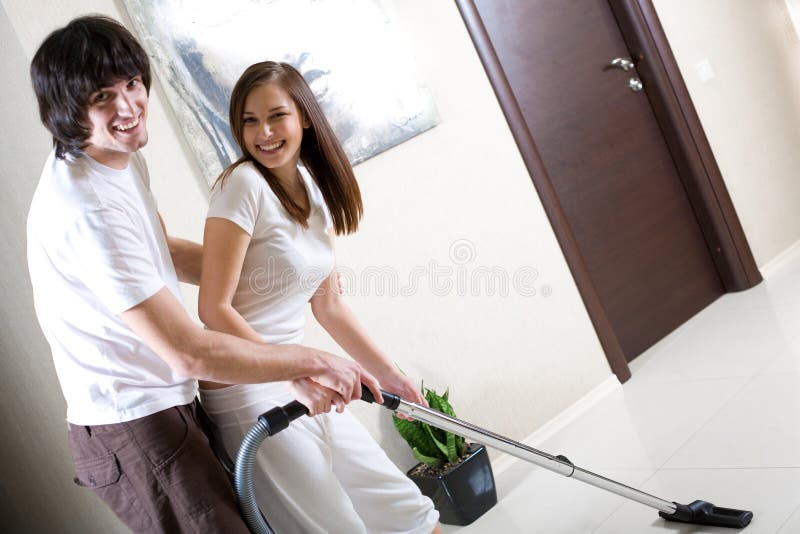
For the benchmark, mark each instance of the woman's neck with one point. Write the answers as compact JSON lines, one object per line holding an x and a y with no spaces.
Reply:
{"x":294,"y":186}
{"x":291,"y":182}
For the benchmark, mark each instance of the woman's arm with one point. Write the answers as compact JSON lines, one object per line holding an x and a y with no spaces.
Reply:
{"x":336,"y":317}
{"x":225,"y":244}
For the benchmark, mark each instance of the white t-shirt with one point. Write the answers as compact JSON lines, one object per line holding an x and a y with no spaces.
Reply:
{"x":96,"y":249}
{"x":284,"y":263}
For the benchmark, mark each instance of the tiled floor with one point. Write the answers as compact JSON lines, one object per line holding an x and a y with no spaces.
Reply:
{"x":712,"y":412}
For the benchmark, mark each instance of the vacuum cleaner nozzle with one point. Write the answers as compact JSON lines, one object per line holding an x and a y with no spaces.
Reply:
{"x":705,"y":513}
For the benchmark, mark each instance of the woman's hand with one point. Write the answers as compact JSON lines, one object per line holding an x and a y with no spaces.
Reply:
{"x":317,"y":398}
{"x":399,"y":384}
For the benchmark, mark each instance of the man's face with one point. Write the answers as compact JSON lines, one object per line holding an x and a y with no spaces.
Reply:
{"x":117,"y":117}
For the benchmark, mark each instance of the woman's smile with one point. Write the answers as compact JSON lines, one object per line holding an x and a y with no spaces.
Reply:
{"x":273,"y":130}
{"x":271,"y":148}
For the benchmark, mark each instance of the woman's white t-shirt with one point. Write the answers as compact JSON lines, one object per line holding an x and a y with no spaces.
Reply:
{"x":285,"y":263}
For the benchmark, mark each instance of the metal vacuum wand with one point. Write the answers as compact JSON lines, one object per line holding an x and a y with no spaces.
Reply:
{"x":275,"y":420}
{"x":698,"y":512}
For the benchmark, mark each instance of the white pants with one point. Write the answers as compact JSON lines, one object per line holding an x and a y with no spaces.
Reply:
{"x":323,"y":474}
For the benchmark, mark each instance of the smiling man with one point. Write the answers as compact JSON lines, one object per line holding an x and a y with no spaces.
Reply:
{"x":116,"y":117}
{"x":105,"y":282}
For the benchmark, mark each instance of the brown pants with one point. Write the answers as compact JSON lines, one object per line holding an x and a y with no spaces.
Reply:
{"x":158,"y":473}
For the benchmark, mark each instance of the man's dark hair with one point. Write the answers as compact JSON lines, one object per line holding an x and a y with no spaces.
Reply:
{"x":89,"y":53}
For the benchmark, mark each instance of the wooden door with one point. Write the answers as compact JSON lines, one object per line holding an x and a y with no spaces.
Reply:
{"x":608,"y":162}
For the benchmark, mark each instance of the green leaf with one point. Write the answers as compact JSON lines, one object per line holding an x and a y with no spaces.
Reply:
{"x":430,"y":396}
{"x":416,"y":435}
{"x":445,"y":407}
{"x":461,"y":446}
{"x":435,"y":401}
{"x":430,"y":442}
{"x":452,"y":452}
{"x":440,"y":445}
{"x":406,"y":429}
{"x":428,"y":460}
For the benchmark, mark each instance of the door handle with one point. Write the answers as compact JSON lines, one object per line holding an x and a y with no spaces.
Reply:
{"x":635,"y":85}
{"x":621,"y":63}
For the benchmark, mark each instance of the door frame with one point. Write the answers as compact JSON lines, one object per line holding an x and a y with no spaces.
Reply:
{"x":680,"y":125}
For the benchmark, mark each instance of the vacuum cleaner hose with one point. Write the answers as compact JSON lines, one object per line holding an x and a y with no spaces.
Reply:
{"x":268,"y":424}
{"x":243,"y":479}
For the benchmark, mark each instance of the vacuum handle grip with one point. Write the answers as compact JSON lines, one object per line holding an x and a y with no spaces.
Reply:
{"x":295,"y":410}
{"x":390,"y":400}
{"x":279,"y":417}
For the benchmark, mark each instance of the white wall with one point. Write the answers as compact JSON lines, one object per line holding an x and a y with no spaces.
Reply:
{"x":750,"y":110}
{"x":512,"y":362}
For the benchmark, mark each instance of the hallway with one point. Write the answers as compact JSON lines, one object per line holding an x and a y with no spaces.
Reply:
{"x":712,"y":412}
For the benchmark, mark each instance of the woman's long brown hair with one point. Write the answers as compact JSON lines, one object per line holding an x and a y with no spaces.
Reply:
{"x":320,"y":150}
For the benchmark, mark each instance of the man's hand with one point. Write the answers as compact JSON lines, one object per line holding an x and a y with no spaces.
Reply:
{"x":318,"y":399}
{"x":345,"y":378}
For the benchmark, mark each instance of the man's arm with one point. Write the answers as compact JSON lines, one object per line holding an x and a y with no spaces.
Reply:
{"x":187,"y":256}
{"x":163,"y":324}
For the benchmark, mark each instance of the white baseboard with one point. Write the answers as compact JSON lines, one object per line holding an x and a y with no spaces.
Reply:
{"x":503,"y":461}
{"x":777,"y":262}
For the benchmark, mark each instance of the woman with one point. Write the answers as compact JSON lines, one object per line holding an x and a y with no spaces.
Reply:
{"x":268,"y":252}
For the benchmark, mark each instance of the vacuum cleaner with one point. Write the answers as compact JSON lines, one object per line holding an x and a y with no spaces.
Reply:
{"x":276,"y":419}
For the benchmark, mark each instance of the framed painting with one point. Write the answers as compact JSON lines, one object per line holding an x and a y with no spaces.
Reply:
{"x":349,"y":51}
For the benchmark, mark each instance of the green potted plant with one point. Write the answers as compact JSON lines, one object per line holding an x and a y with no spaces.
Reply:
{"x":457,"y":476}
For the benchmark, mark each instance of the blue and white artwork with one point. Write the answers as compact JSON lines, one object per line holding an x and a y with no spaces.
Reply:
{"x":349,"y":52}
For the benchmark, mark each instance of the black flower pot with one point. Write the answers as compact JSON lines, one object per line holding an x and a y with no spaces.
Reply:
{"x":463,"y":494}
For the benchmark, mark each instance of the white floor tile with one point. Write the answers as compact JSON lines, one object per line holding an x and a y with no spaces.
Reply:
{"x":759,"y":427}
{"x":541,"y":501}
{"x":722,"y":344}
{"x":787,"y":360}
{"x":641,"y":426}
{"x":792,"y":525}
{"x":783,"y":287}
{"x":771,"y":494}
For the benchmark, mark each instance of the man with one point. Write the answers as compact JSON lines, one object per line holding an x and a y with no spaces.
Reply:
{"x":105,"y":277}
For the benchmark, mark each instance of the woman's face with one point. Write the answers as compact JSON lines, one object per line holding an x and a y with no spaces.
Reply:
{"x":272,"y":130}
